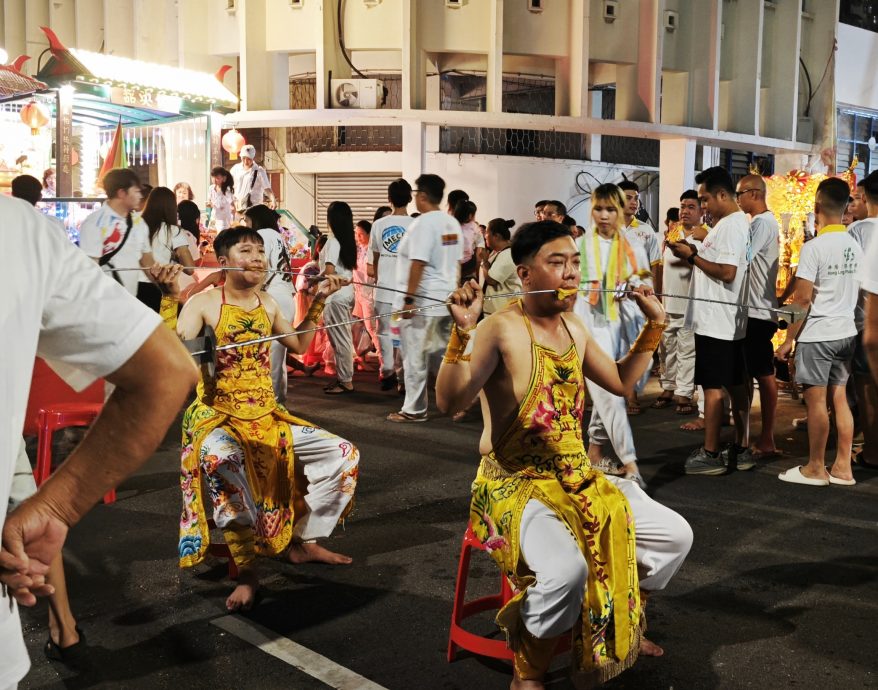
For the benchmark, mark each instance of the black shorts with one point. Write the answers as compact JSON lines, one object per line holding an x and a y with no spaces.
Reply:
{"x":719,"y":363}
{"x":758,"y":348}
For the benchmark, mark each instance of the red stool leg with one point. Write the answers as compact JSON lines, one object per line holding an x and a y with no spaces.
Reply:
{"x":459,"y":595}
{"x":44,"y":447}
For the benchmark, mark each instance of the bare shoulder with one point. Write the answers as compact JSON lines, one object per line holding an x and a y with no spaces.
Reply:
{"x":504,"y":326}
{"x":578,"y":330}
{"x":203,"y":300}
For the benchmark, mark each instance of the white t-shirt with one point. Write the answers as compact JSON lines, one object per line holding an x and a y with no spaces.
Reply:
{"x":471,"y":234}
{"x":726,"y":243}
{"x":434,"y":238}
{"x":330,"y":255}
{"x":863,"y":231}
{"x":648,"y":237}
{"x":868,"y":275}
{"x":384,"y":239}
{"x":764,"y":262}
{"x":59,"y":305}
{"x":222,"y":207}
{"x":278,"y":258}
{"x":832,"y":262}
{"x":102,"y":231}
{"x":505,"y":272}
{"x":250,"y":184}
{"x":168,"y":239}
{"x":675,"y":281}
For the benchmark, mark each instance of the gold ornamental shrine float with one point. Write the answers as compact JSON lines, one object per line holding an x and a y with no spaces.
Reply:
{"x":790,"y":198}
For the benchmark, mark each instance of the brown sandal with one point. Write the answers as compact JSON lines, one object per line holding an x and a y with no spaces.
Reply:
{"x":661,"y":403}
{"x":686,"y":408}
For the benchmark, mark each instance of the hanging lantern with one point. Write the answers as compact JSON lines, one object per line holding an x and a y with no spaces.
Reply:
{"x":233,"y":141}
{"x":35,"y":115}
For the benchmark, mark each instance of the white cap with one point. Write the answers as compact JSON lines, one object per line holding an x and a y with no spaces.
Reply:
{"x":248,"y":151}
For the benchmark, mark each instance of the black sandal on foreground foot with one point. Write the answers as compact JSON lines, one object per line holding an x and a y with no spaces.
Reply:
{"x":74,"y":657}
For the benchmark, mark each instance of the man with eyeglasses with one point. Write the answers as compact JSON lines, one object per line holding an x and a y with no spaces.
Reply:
{"x":553,"y":210}
{"x":761,"y":323}
{"x":538,"y":208}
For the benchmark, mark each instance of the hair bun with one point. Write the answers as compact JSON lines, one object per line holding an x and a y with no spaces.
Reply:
{"x":510,"y":223}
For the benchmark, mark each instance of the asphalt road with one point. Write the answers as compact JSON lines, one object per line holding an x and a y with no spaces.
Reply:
{"x":778,"y":591}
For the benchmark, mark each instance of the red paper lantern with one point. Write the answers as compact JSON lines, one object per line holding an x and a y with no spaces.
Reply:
{"x":35,"y":115}
{"x":233,"y":141}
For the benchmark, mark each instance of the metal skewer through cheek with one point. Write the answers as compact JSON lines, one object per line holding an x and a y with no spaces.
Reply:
{"x":207,"y":355}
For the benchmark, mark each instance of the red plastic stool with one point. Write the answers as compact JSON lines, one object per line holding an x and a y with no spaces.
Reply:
{"x":60,"y":416}
{"x":221,"y":550}
{"x":463,"y":639}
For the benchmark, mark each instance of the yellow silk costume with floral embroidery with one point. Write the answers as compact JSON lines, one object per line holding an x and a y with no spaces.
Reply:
{"x":240,"y":399}
{"x":542,"y":456}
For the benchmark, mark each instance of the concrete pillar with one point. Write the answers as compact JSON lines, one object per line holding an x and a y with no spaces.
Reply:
{"x":676,"y":172}
{"x":494,"y":77}
{"x":264,"y":74}
{"x":414,"y":152}
{"x":595,"y":111}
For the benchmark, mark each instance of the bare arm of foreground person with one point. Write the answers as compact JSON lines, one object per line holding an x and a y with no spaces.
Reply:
{"x":457,"y":385}
{"x":619,"y":378}
{"x":150,"y":389}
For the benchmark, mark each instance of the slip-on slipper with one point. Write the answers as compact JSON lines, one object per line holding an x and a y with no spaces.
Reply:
{"x":794,"y":476}
{"x":840,"y":482}
{"x":75,"y":657}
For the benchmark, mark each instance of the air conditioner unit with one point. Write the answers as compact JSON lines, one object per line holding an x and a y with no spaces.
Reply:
{"x":357,"y":93}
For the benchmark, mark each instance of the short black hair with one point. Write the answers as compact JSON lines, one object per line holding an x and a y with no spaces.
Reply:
{"x":569,"y":221}
{"x":27,"y":187}
{"x":560,"y":208}
{"x":833,"y":194}
{"x":689,"y":194}
{"x":365,"y":226}
{"x":229,"y":237}
{"x":629,"y":185}
{"x":431,"y":185}
{"x":673,"y":214}
{"x":716,"y":179}
{"x":455,"y":196}
{"x":399,"y":193}
{"x":119,"y":179}
{"x":870,"y":186}
{"x":530,"y":237}
{"x":541,"y":203}
{"x":381,"y":211}
{"x":263,"y":217}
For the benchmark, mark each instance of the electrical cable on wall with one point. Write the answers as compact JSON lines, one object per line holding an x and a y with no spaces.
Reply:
{"x":344,"y":50}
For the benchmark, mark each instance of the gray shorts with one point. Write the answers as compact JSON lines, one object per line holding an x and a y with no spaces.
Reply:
{"x":826,"y":363}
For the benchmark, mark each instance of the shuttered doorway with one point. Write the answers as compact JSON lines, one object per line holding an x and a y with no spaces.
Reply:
{"x":363,"y":193}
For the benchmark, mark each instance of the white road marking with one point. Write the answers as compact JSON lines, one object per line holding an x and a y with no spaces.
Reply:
{"x":317,"y":666}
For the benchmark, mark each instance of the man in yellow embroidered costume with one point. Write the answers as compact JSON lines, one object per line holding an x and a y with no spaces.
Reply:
{"x":580,"y":547}
{"x":276,"y":482}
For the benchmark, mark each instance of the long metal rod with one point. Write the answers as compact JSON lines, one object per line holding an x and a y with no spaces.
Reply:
{"x":415,"y":310}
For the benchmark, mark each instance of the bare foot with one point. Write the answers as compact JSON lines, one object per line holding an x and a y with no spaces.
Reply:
{"x":648,"y":648}
{"x":518,"y":684}
{"x":841,"y":471}
{"x":312,"y":552}
{"x":243,"y":596}
{"x":811,"y":473}
{"x":694,"y":425}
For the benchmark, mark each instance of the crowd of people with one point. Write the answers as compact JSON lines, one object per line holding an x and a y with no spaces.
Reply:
{"x":534,"y":324}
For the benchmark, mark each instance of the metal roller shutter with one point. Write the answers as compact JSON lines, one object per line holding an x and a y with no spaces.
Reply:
{"x":363,"y":193}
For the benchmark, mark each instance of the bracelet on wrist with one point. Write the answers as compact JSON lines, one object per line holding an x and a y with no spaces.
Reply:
{"x":457,"y":350}
{"x":649,"y":338}
{"x":315,"y":312}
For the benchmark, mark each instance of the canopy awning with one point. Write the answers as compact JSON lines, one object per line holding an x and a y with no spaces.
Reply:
{"x":109,"y":87}
{"x":14,"y":84}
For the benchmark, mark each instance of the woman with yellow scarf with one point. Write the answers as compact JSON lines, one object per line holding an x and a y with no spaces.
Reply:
{"x":609,"y":261}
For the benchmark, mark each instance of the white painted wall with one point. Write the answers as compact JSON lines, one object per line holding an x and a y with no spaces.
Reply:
{"x":857,"y":54}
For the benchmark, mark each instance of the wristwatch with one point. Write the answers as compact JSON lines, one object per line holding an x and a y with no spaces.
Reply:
{"x":408,"y":300}
{"x":691,"y":258}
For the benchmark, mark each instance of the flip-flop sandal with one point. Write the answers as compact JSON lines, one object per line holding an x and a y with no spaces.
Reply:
{"x":840,"y":482}
{"x":766,"y":455}
{"x":337,"y":389}
{"x":794,"y":476}
{"x":406,"y":418}
{"x":661,"y":403}
{"x":633,"y":409}
{"x":686,"y":408}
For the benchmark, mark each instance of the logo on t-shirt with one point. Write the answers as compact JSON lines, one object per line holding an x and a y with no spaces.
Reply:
{"x":112,"y":237}
{"x":450,"y":239}
{"x":391,"y":236}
